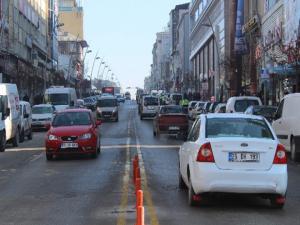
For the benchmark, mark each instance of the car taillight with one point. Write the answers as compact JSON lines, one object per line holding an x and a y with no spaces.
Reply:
{"x":205,"y":153}
{"x":280,"y":155}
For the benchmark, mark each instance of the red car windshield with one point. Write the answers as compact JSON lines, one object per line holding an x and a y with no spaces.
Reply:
{"x":72,"y":119}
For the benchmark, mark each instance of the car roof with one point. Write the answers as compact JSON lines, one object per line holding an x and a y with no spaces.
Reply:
{"x":232,"y":115}
{"x":244,"y":97}
{"x":24,"y":102}
{"x":107,"y":97}
{"x":75,"y":110}
{"x":43,"y":105}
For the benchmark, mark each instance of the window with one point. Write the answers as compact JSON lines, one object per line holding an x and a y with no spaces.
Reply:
{"x":237,"y":127}
{"x":72,"y":119}
{"x":242,"y":105}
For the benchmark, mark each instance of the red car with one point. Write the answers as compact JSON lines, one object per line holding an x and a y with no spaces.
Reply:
{"x":73,"y":131}
{"x":171,"y":119}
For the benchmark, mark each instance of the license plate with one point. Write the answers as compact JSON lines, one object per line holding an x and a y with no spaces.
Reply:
{"x":243,"y":157}
{"x":69,"y":145}
{"x":174,"y":128}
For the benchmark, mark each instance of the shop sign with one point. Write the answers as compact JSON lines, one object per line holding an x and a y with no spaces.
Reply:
{"x":240,"y":45}
{"x":273,"y":36}
{"x":250,"y":25}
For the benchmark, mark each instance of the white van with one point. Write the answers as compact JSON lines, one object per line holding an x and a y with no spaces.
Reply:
{"x":4,"y":113}
{"x":149,"y":107}
{"x":12,"y":121}
{"x":25,"y":121}
{"x":176,"y":98}
{"x":61,"y":97}
{"x":286,"y":124}
{"x":239,"y":104}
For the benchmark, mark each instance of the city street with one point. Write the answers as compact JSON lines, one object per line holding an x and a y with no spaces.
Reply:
{"x":81,"y":190}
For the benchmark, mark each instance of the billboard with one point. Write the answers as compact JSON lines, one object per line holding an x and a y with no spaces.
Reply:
{"x":240,"y":45}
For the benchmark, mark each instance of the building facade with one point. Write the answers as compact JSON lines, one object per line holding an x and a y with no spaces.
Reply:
{"x":210,"y":48}
{"x":26,"y":56}
{"x":71,"y":43}
{"x":160,"y":68}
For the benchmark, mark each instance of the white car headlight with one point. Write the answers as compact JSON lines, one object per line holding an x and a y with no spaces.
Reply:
{"x":85,"y":136}
{"x":52,"y":137}
{"x":99,"y":110}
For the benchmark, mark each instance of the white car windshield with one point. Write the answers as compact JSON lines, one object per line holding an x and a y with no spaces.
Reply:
{"x":237,"y":127}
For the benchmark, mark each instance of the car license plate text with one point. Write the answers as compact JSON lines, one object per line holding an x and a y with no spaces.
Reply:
{"x":243,"y":157}
{"x":69,"y":145}
{"x":174,"y":128}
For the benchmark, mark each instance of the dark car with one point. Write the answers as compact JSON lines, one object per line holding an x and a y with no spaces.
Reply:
{"x":170,"y":119}
{"x":262,"y":110}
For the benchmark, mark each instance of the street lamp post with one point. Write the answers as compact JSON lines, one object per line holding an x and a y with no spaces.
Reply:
{"x":96,"y":58}
{"x":106,"y":66}
{"x":102,"y":62}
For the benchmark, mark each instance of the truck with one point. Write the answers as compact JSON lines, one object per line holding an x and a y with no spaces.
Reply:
{"x":61,"y":97}
{"x":108,"y":90}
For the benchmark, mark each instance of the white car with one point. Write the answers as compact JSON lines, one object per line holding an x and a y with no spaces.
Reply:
{"x":197,"y":109}
{"x":191,"y":108}
{"x":239,"y":104}
{"x":42,"y":116}
{"x":233,"y":153}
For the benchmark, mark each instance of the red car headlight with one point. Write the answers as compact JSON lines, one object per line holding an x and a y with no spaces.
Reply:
{"x":85,"y":136}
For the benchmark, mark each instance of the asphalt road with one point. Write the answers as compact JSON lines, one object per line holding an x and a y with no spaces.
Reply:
{"x":80,"y":190}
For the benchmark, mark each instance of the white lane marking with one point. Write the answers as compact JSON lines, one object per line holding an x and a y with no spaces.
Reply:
{"x":24,"y":149}
{"x":139,"y":146}
{"x":36,"y":157}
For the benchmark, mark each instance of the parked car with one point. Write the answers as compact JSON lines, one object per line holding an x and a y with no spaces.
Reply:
{"x":262,"y":110}
{"x":287,"y":126}
{"x":212,"y":107}
{"x":107,"y":108}
{"x":191,"y":108}
{"x":198,"y":109}
{"x":12,"y":121}
{"x":221,"y":108}
{"x":42,"y":116}
{"x":149,"y":107}
{"x":73,"y":131}
{"x":241,"y":103}
{"x":25,"y":121}
{"x":89,"y":103}
{"x":233,"y":153}
{"x":170,"y":120}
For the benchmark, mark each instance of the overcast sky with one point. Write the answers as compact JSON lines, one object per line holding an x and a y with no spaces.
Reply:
{"x":124,"y":33}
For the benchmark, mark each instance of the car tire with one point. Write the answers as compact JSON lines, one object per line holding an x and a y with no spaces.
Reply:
{"x":191,"y":195}
{"x":117,"y":119}
{"x":275,"y":204}
{"x":29,"y":136}
{"x":99,"y":147}
{"x":15,"y":140}
{"x":22,"y":136}
{"x":49,"y":157}
{"x":181,"y":183}
{"x":141,"y":117}
{"x":95,"y":154}
{"x":3,"y":142}
{"x":154,"y":133}
{"x":294,"y":154}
